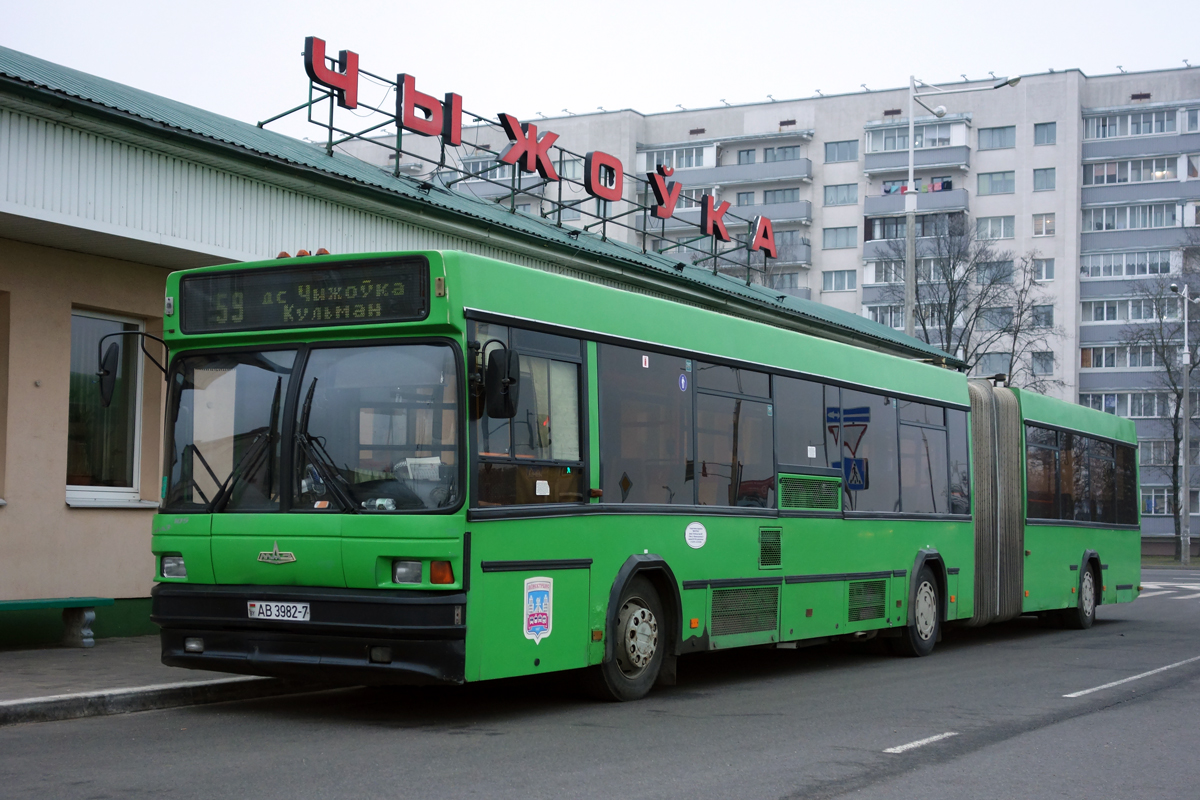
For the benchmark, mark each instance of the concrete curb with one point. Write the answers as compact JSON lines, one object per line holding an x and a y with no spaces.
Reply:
{"x":144,"y":698}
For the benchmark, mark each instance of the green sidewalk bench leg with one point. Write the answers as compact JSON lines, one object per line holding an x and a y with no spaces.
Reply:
{"x":77,"y":627}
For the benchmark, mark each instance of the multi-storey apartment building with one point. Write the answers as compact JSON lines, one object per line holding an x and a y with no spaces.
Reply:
{"x":1094,"y":179}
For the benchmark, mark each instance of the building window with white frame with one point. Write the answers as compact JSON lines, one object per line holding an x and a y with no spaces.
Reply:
{"x":1144,"y":123}
{"x":1045,"y":133}
{"x":1043,"y":180}
{"x":888,"y":272}
{"x":841,"y":151}
{"x":839,"y":280}
{"x":842,"y":194}
{"x":994,"y":364}
{"x":1043,"y":224}
{"x":1155,"y":452}
{"x":1138,"y":170}
{"x":997,"y":138}
{"x":103,"y":443}
{"x":1116,"y":265}
{"x":1043,"y":269}
{"x":995,"y":227}
{"x":997,"y":182}
{"x":892,"y":316}
{"x":745,"y":198}
{"x":1042,"y":316}
{"x":776,"y":196}
{"x":839,"y":238}
{"x":1193,"y":120}
{"x":745,"y":156}
{"x":787,"y":153}
{"x":1119,"y":218}
{"x":1042,"y":363}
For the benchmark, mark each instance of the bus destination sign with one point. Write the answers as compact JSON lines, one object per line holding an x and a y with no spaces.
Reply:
{"x":358,"y":293}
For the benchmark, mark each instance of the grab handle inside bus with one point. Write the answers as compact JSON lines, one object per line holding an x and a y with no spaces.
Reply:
{"x":502,"y":383}
{"x":110,"y":361}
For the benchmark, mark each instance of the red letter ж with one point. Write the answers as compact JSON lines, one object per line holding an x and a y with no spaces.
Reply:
{"x":527,"y":150}
{"x":711,"y":219}
{"x":762,"y":236}
{"x":344,"y":81}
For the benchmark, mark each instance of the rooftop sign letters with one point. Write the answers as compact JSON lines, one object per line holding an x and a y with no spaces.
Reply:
{"x":528,"y":148}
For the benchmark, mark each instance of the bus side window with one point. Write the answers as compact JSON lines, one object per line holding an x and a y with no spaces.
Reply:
{"x":534,"y":458}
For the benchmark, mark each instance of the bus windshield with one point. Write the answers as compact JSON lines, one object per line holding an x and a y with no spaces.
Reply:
{"x":377,"y":429}
{"x":224,"y":430}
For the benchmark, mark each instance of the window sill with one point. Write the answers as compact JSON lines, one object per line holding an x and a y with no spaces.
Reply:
{"x":91,"y":502}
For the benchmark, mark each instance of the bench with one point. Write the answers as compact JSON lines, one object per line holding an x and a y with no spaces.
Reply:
{"x":78,"y":615}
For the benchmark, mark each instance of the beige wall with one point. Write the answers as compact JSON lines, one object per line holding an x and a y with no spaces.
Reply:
{"x":46,"y":548}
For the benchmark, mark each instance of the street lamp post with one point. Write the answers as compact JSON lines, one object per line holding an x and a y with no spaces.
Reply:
{"x":910,"y":196}
{"x":1185,"y":357}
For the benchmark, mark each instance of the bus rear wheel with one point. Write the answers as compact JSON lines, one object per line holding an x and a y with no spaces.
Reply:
{"x":919,"y":638}
{"x":639,"y":642}
{"x":1084,"y":614}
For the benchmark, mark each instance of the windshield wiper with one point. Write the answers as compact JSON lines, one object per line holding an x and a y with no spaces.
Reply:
{"x":249,"y":461}
{"x":319,"y":457}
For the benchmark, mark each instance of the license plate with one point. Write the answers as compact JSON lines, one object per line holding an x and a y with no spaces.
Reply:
{"x":295,"y":612}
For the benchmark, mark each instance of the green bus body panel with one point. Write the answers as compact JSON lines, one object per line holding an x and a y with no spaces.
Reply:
{"x":824,"y":564}
{"x":1052,"y":550}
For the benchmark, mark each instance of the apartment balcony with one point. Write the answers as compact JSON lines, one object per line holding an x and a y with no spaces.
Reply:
{"x":800,"y":211}
{"x":892,"y":204}
{"x":1141,"y":146}
{"x":1152,"y":192}
{"x":893,"y":249}
{"x":1141,"y":239}
{"x":733,"y":174}
{"x":896,"y":161}
{"x":488,"y":190}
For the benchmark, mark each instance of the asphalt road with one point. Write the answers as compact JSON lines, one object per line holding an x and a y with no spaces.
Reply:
{"x":802,"y":723}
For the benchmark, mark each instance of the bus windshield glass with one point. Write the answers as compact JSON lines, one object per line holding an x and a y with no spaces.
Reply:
{"x":377,"y":429}
{"x":224,"y":430}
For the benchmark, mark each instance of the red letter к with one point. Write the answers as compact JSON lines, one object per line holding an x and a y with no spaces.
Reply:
{"x":527,"y":150}
{"x":345,"y":82}
{"x":711,"y":219}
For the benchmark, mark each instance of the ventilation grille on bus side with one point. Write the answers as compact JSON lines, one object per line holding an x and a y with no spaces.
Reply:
{"x":769,"y":554}
{"x":867,"y":600}
{"x":745,"y":610}
{"x":806,"y":493}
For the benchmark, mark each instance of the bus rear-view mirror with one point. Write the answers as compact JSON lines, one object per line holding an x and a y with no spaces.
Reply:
{"x":502,"y":383}
{"x":108,"y":373}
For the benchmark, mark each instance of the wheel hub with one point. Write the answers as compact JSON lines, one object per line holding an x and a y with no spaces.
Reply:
{"x":925,"y":610}
{"x":1088,"y":594}
{"x":638,"y":630}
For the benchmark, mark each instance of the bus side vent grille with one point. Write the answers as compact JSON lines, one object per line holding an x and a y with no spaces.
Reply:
{"x":769,"y":554}
{"x":797,"y":493}
{"x":867,"y":600}
{"x":745,"y":610}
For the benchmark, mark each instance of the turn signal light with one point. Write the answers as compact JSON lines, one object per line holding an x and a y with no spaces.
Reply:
{"x":441,"y":572}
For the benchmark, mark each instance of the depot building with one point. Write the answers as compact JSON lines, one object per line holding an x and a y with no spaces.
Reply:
{"x":105,"y":189}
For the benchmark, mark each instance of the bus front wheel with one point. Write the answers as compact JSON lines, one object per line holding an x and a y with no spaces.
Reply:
{"x":639,"y":643}
{"x":919,"y":638}
{"x":1084,"y":614}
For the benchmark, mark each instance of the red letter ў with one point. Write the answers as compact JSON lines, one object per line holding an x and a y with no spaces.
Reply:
{"x":666,"y":195}
{"x":408,"y":100}
{"x":527,"y":151}
{"x":344,"y":82}
{"x":711,"y":219}
{"x":595,"y":183}
{"x":763,"y":236}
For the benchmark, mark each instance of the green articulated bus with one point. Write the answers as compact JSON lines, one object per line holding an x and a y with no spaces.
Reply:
{"x":434,"y":467}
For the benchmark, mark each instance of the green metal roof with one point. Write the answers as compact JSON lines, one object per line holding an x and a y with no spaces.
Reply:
{"x":155,"y":111}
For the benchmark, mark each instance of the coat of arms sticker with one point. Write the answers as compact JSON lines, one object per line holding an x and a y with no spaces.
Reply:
{"x":539,"y":614}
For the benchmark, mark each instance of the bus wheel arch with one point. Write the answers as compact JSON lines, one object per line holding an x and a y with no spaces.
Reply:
{"x":1081,"y":616}
{"x":923,"y":630}
{"x":1092,"y":559}
{"x":662,"y":578}
{"x":639,"y":633}
{"x":933,"y":559}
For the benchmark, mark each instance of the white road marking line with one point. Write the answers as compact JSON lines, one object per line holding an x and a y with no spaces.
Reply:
{"x":904,"y":748}
{"x":1134,"y":678}
{"x":1187,"y":597}
{"x":1155,"y":594}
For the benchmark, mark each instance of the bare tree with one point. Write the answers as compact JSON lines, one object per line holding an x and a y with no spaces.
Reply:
{"x":975,"y":298}
{"x":1153,"y":337}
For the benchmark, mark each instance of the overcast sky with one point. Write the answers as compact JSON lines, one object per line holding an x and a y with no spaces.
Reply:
{"x":242,"y":58}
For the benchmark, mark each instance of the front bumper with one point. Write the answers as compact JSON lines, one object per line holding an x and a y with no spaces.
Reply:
{"x":424,"y":630}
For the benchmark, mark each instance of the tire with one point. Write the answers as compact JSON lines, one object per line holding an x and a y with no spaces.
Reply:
{"x":639,"y":643}
{"x":918,"y":639}
{"x":1083,"y":615}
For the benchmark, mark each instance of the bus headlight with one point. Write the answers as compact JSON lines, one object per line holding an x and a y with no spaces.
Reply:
{"x":406,"y":572}
{"x":173,"y":567}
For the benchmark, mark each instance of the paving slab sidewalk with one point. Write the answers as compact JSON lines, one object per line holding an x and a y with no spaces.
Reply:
{"x":116,"y":676}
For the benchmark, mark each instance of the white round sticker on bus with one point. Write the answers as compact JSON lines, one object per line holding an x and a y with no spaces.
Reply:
{"x":696,"y":535}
